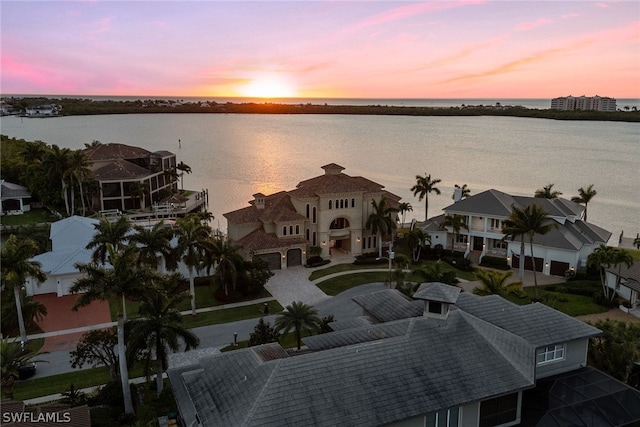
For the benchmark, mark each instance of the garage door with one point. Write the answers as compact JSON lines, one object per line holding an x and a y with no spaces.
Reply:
{"x":294,"y":257}
{"x":558,"y":268}
{"x":272,"y":259}
{"x":528,"y":265}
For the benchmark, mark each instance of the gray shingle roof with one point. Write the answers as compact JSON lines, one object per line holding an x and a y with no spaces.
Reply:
{"x":356,"y":335}
{"x":437,"y":291}
{"x":443,"y":364}
{"x":388,"y":305}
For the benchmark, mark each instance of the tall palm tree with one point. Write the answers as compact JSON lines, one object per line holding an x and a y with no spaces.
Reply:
{"x":16,"y":267}
{"x":299,"y":318}
{"x":160,"y":328}
{"x":228,"y":262}
{"x":139,"y":191}
{"x":604,"y":257}
{"x":183,"y":168}
{"x":584,"y":196}
{"x":527,"y":221}
{"x":114,"y":233}
{"x":126,"y":278}
{"x":79,"y":171}
{"x":464,"y":191}
{"x":495,"y":283}
{"x":415,"y":240}
{"x":456,"y":223}
{"x":56,"y":163}
{"x":403,"y":208}
{"x":192,"y":238}
{"x":155,"y":246}
{"x":547,"y":192}
{"x":380,"y":221}
{"x":424,"y":186}
{"x":12,"y":357}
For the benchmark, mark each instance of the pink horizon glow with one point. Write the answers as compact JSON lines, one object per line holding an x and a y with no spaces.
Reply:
{"x":384,"y":49}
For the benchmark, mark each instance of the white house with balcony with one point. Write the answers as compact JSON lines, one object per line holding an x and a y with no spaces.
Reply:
{"x":565,"y":247}
{"x":329,"y":211}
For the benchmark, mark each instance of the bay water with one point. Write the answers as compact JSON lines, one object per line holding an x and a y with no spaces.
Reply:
{"x":237,"y":155}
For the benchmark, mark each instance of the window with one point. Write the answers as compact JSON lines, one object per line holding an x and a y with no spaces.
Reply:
{"x":353,"y":203}
{"x":297,"y":229}
{"x":495,"y":224}
{"x":308,"y":210}
{"x":435,"y":307}
{"x":462,"y":238}
{"x":500,"y":410}
{"x":315,"y":242}
{"x":329,"y":204}
{"x":284,"y":230}
{"x":341,"y":204}
{"x":369,"y":243}
{"x":551,"y":353}
{"x":308,"y":234}
{"x":314,"y":215}
{"x":291,"y":229}
{"x":375,"y":241}
{"x":444,"y":418}
{"x":499,"y":244}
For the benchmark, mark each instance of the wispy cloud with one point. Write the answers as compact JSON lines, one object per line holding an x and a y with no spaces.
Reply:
{"x":531,"y":25}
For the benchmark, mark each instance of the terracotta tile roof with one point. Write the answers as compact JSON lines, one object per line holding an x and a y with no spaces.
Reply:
{"x":120,"y":169}
{"x":338,"y":183}
{"x":278,"y":207}
{"x":259,"y":240}
{"x":113,"y":151}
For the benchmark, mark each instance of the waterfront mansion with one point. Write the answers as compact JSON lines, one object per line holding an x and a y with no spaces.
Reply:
{"x":329,"y":211}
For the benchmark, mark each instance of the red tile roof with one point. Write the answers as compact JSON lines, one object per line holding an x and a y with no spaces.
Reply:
{"x":113,"y":151}
{"x":259,"y":240}
{"x":120,"y":170}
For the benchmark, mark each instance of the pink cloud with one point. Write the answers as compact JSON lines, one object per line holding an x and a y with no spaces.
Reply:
{"x":530,"y":25}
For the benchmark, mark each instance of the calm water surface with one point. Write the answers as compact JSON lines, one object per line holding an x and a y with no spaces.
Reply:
{"x":235,"y":156}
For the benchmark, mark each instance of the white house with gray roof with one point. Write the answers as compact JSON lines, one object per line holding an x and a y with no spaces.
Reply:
{"x":447,"y":359}
{"x":565,"y":247}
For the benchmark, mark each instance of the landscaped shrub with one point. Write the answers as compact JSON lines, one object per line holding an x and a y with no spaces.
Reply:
{"x":316,"y":261}
{"x":370,"y":259}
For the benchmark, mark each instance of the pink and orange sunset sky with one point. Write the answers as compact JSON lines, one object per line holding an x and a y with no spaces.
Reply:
{"x":323,"y":49}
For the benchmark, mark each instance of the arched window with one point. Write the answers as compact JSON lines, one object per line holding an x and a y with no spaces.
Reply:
{"x":284,"y":230}
{"x":291,"y":229}
{"x":329,"y":204}
{"x":346,"y":203}
{"x":297,"y":229}
{"x":307,"y":210}
{"x":307,"y":234}
{"x":337,"y":204}
{"x":353,"y":203}
{"x":314,"y":215}
{"x":369,"y":243}
{"x":341,"y":204}
{"x":315,"y":242}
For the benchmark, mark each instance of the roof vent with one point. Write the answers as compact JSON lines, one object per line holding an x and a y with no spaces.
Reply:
{"x":438,"y":298}
{"x":259,"y":200}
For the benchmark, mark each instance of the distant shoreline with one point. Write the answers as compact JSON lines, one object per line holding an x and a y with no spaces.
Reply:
{"x":84,"y":106}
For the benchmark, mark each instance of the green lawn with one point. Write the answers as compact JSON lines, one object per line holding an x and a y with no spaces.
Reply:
{"x":230,"y":315}
{"x":338,"y":268}
{"x":35,"y":216}
{"x":340,"y":284}
{"x":570,"y":304}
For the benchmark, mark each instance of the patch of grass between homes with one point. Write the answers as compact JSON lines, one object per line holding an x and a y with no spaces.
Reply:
{"x":336,"y":285}
{"x":570,"y":304}
{"x":230,"y":314}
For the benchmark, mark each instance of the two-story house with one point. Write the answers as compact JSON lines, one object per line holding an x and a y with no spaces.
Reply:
{"x":443,"y":359}
{"x":121,"y":170}
{"x":329,"y":211}
{"x":565,"y":247}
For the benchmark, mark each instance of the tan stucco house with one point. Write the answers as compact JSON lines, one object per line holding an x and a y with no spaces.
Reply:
{"x":329,"y":211}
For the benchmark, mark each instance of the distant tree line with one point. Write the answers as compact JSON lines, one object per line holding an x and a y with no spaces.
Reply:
{"x":83,"y":106}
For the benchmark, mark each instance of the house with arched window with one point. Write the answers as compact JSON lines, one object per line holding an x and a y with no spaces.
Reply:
{"x":328,"y":211}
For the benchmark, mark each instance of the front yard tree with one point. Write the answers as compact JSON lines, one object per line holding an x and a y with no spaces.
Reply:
{"x":159,"y":330}
{"x":109,"y":233}
{"x":263,"y":333}
{"x":604,"y":257}
{"x":380,"y":221}
{"x":155,"y":246}
{"x":415,"y":240}
{"x":16,"y":267}
{"x":584,"y":196}
{"x":126,"y":278}
{"x":56,"y":163}
{"x":97,"y":348}
{"x":299,"y":318}
{"x":617,"y":350}
{"x":192,"y":238}
{"x":79,"y":171}
{"x":527,"y":222}
{"x":496,"y":283}
{"x":12,"y":356}
{"x":456,"y":223}
{"x":424,"y":186}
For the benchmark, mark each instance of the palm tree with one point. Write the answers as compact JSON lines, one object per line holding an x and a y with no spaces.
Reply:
{"x":547,"y":192}
{"x":636,"y":241}
{"x":114,"y":233}
{"x":16,"y":267}
{"x":456,"y":223}
{"x":299,"y":317}
{"x":227,"y":260}
{"x":415,"y":240}
{"x":464,"y":191}
{"x":380,"y":221}
{"x":139,"y":191}
{"x":56,"y":163}
{"x":183,"y":168}
{"x":79,"y":165}
{"x":155,"y":247}
{"x":584,"y":196}
{"x":495,"y":283}
{"x":192,"y":238}
{"x":126,"y":278}
{"x":529,"y":221}
{"x":424,"y":186}
{"x":160,"y":328}
{"x":604,"y":257}
{"x":403,"y":208}
{"x":12,"y":357}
